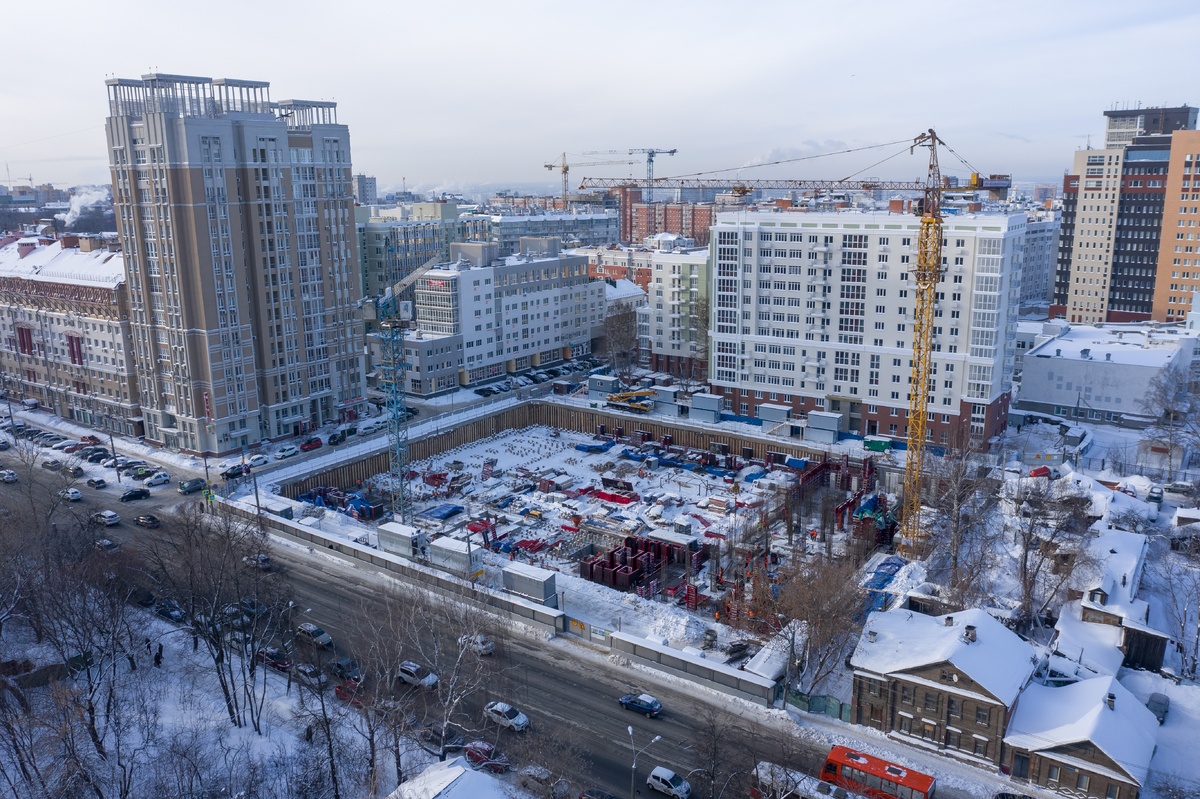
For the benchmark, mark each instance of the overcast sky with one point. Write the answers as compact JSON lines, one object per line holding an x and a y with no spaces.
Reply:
{"x":443,"y":95}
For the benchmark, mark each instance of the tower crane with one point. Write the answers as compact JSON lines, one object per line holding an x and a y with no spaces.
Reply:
{"x":926,"y":273}
{"x":566,"y":169}
{"x":649,"y":152}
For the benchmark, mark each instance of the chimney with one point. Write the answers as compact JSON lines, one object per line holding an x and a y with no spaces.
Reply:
{"x":1108,"y":356}
{"x":25,"y":247}
{"x":969,"y":635}
{"x":68,"y":242}
{"x":1111,"y":701}
{"x":871,"y":636}
{"x":949,"y":621}
{"x":88,"y":244}
{"x":1058,"y":353}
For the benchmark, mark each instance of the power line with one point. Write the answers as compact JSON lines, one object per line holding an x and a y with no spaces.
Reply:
{"x":48,"y":138}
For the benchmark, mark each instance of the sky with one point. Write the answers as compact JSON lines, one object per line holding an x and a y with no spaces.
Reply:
{"x":448,"y":95}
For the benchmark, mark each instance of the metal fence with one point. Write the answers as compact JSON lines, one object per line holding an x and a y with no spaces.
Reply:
{"x":823,"y":704}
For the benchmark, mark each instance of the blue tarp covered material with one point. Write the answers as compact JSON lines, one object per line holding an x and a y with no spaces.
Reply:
{"x":876,"y":581}
{"x":595,"y":448}
{"x":443,"y":512}
{"x":719,"y":472}
{"x":891,"y":565}
{"x":796,"y":463}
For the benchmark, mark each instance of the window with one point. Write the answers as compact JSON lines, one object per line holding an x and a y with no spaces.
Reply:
{"x":1112,"y":792}
{"x":1052,"y":773}
{"x":907,"y":694}
{"x":1081,"y":782}
{"x":931,"y":701}
{"x":980,"y":748}
{"x":954,"y":708}
{"x":983,"y":716}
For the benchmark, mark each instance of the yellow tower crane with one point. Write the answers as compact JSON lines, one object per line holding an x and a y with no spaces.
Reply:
{"x":566,"y":170}
{"x":928,"y":270}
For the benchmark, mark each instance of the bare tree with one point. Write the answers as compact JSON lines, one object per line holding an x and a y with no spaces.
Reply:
{"x":1047,"y":520}
{"x":1179,"y":582}
{"x":621,"y":341}
{"x":824,"y":599}
{"x":1171,"y":401}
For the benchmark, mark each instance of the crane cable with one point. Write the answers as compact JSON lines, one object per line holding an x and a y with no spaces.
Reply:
{"x":787,"y":160}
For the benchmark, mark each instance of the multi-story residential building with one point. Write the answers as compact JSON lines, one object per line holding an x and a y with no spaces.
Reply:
{"x":814,"y":311}
{"x":674,"y":324}
{"x":1113,"y":233}
{"x":485,"y":316}
{"x":365,"y":192}
{"x":946,"y":682}
{"x":1178,"y":274}
{"x":685,"y":219}
{"x":1041,"y":255}
{"x":236,"y":215}
{"x":1122,"y":126}
{"x":573,"y":229}
{"x":64,"y":329}
{"x":635,"y":264}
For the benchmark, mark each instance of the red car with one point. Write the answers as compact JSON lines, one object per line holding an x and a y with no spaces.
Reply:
{"x":483,"y":755}
{"x":310,"y":444}
{"x":275,"y":658}
{"x":349,"y":691}
{"x":89,"y":440}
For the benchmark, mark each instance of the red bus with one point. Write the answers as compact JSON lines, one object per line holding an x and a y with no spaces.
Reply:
{"x":875,"y":777}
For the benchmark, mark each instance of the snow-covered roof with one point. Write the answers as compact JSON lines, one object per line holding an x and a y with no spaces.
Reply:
{"x":998,"y":659}
{"x":1136,"y":344}
{"x":1114,"y":565}
{"x":1094,"y":646}
{"x":624,"y":290}
{"x":454,"y":779}
{"x":52,"y":263}
{"x":1047,"y":718}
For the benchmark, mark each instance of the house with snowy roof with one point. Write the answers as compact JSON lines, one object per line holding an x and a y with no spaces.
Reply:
{"x":454,"y":779}
{"x":1089,"y":738}
{"x":947,"y":683}
{"x":1105,"y":625}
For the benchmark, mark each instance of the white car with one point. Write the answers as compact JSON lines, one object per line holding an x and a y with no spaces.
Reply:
{"x":70,"y":494}
{"x":107,"y":518}
{"x":414,"y":673}
{"x":665,"y":781}
{"x":287,"y":452}
{"x":157,"y":479}
{"x":478,"y":644}
{"x":506,"y":716}
{"x":8,"y":476}
{"x":258,"y":460}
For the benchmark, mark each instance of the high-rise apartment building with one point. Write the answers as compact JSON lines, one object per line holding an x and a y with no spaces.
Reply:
{"x":1122,"y":126}
{"x":365,"y":191}
{"x":1040,"y":258}
{"x":1178,"y":275}
{"x":236,"y":216}
{"x":815,"y":311}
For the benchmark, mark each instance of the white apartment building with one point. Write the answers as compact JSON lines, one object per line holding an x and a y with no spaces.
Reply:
{"x":484,"y":316}
{"x":1040,"y":258}
{"x":673,"y":327}
{"x":814,"y":311}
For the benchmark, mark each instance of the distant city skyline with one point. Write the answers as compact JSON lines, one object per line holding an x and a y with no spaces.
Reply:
{"x":476,"y":95}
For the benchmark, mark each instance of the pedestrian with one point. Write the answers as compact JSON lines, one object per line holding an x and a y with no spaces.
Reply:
{"x":147,"y":646}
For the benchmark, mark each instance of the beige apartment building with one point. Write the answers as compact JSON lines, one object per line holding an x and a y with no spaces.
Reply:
{"x":64,"y":330}
{"x":236,"y":216}
{"x":1179,"y":254}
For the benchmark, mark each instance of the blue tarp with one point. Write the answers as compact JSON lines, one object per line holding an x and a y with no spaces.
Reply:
{"x":442,"y":512}
{"x":796,"y":463}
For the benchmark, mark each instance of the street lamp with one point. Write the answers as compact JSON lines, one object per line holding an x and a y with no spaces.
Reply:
{"x":633,"y":748}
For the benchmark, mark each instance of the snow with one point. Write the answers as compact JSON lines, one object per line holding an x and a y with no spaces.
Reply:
{"x":1048,"y":717}
{"x":52,"y":263}
{"x":1176,"y":738}
{"x":998,"y":659}
{"x":455,"y":779}
{"x":1093,"y":646}
{"x":1135,"y":344}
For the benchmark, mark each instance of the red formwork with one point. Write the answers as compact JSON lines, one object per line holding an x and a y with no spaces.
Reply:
{"x":585,"y":567}
{"x":623,"y":578}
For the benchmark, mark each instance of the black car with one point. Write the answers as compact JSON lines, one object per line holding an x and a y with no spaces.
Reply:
{"x":485,"y":391}
{"x":347,"y":669}
{"x":336,"y":438}
{"x":233,"y":472}
{"x":433,"y":741}
{"x":171,"y":610}
{"x":97,"y":457}
{"x":135,"y":493}
{"x":97,"y":482}
{"x":147,"y":520}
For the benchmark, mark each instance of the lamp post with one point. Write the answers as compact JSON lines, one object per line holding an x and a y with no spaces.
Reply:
{"x":633,"y":748}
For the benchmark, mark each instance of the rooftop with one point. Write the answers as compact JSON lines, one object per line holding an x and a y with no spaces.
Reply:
{"x":1134,"y":344}
{"x":49,"y":261}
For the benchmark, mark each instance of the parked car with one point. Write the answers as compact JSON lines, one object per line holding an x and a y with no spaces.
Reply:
{"x":349,"y":692}
{"x":287,"y":452}
{"x":234,"y":472}
{"x":4,"y":444}
{"x":73,"y":471}
{"x":106,"y":545}
{"x":89,"y":439}
{"x":135,"y":493}
{"x":157,"y":479}
{"x":140,"y":472}
{"x":192,"y":486}
{"x":336,"y":437}
{"x":663,"y":780}
{"x":260,"y":561}
{"x":309,"y":633}
{"x":274,"y":657}
{"x":1155,"y":495}
{"x":1181,"y":488}
{"x":506,"y":715}
{"x":482,"y":754}
{"x":8,"y":476}
{"x":484,"y":391}
{"x":540,"y":781}
{"x":1159,"y":704}
{"x":252,"y":607}
{"x":345,"y":668}
{"x":97,"y":482}
{"x":433,"y":740}
{"x":171,"y":610}
{"x":69,"y":447}
{"x":148,"y":520}
{"x":478,"y":644}
{"x":258,"y":459}
{"x":106,"y":518}
{"x":52,"y":465}
{"x":641,"y":703}
{"x":115,"y":462}
{"x":309,"y":444}
{"x":310,"y":675}
{"x":414,"y":673}
{"x":96,"y":457}
{"x":70,"y":494}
